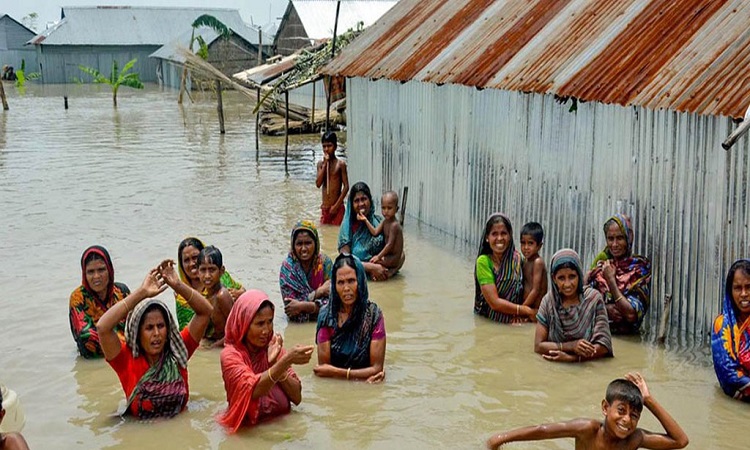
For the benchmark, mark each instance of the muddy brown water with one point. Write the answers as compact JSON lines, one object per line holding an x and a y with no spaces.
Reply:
{"x":140,"y":178}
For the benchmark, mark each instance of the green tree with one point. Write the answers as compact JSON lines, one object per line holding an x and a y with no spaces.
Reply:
{"x":215,"y":24}
{"x":116,"y":78}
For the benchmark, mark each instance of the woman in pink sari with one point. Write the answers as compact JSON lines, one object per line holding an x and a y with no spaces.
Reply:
{"x":257,"y":371}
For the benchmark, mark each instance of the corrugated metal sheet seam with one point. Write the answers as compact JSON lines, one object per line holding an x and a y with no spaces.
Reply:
{"x":683,"y":55}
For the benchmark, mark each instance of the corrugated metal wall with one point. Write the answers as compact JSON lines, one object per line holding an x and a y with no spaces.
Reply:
{"x":15,"y":57}
{"x":59,"y":64}
{"x":465,"y":153}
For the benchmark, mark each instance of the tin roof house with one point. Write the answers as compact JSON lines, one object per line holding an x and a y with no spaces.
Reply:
{"x":13,"y":49}
{"x":95,"y":36}
{"x":565,"y":112}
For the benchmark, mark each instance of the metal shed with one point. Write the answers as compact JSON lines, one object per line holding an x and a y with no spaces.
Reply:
{"x":565,"y":112}
{"x":95,"y":36}
{"x":13,"y":38}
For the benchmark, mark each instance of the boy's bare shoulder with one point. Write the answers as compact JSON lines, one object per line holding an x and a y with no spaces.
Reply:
{"x":395,"y":226}
{"x":539,"y":265}
{"x":13,"y":441}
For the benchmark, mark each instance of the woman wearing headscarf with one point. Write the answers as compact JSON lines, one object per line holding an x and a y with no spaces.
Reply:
{"x":257,"y":371}
{"x":730,"y":337}
{"x":351,"y":329}
{"x":305,"y":274}
{"x":623,"y":279}
{"x":498,"y":275}
{"x":152,"y":362}
{"x":572,"y":324}
{"x":97,"y":293}
{"x":187,"y":266}
{"x":355,"y":238}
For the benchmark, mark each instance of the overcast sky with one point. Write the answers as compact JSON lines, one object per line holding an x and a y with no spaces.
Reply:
{"x":252,"y":11}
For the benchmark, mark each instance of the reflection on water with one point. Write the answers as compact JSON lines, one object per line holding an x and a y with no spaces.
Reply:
{"x":140,"y":178}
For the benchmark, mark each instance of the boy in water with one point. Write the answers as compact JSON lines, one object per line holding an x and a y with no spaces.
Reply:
{"x":390,"y":256}
{"x":622,"y":409}
{"x":534,"y":269}
{"x":10,"y":441}
{"x":333,"y":178}
{"x":210,"y":269}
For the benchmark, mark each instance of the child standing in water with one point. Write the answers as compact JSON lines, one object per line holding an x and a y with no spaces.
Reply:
{"x":390,"y":256}
{"x":333,"y":178}
{"x":534,"y":270}
{"x":622,"y":408}
{"x":210,"y":270}
{"x":10,"y":441}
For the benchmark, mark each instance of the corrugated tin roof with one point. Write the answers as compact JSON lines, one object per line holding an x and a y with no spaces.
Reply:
{"x":267,"y":72}
{"x":318,"y":16}
{"x":685,"y":55}
{"x":130,"y":25}
{"x":171,"y":51}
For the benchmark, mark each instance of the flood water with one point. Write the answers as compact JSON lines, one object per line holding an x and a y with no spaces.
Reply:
{"x":139,"y":179}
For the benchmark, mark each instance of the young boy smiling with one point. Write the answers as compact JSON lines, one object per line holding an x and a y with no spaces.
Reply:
{"x":622,"y":408}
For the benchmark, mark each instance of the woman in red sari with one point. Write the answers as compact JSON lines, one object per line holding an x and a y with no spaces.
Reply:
{"x":257,"y":371}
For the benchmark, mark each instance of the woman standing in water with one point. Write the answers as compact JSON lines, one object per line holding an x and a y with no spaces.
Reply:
{"x":623,"y":279}
{"x":305,"y":275}
{"x":498,"y":275}
{"x":152,"y":362}
{"x":351,"y":329}
{"x":97,"y":293}
{"x":355,"y":238}
{"x":572,"y":320}
{"x":730,"y":339}
{"x":187,"y":266}
{"x":257,"y":371}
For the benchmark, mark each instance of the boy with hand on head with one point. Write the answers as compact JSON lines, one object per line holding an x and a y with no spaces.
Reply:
{"x":390,"y":256}
{"x":332,"y":176}
{"x":10,"y":441}
{"x":534,"y":269}
{"x":622,"y":409}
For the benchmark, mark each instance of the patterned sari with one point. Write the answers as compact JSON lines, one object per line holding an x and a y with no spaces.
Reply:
{"x":633,"y":276}
{"x":586,"y":320}
{"x":184,"y":311}
{"x":354,"y":233}
{"x":350,"y":343}
{"x":86,"y":308}
{"x":730,"y":345}
{"x":295,"y":282}
{"x":508,"y":276}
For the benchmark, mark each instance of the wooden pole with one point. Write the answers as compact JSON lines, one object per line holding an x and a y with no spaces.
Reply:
{"x":312,"y":113}
{"x":257,"y":119}
{"x":665,"y":319}
{"x":404,"y":197}
{"x":2,"y":96}
{"x":330,"y":77}
{"x":65,"y":99}
{"x":286,"y":128}
{"x":260,"y":46}
{"x":220,"y":107}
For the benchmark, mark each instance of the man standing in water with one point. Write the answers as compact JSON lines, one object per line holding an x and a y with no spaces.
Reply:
{"x":333,"y":178}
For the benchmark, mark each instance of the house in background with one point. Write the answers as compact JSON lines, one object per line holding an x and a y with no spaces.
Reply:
{"x":307,"y":21}
{"x":95,"y":36}
{"x":565,"y":113}
{"x":13,"y":49}
{"x":230,"y":56}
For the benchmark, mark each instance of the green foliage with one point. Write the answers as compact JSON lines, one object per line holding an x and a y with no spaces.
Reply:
{"x":212,"y":22}
{"x":202,"y":48}
{"x":116,"y":77}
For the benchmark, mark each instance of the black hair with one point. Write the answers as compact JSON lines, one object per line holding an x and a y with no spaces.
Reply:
{"x":485,"y":249}
{"x":188,"y":242}
{"x":93,"y":256}
{"x":535,"y":230}
{"x":742,"y":265}
{"x":1,"y":400}
{"x":625,"y":391}
{"x":329,"y":136}
{"x":212,"y":255}
{"x":165,"y":314}
{"x":394,"y":194}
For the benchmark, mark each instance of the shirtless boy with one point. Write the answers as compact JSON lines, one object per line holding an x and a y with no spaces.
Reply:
{"x":622,"y":408}
{"x":10,"y":441}
{"x":390,"y":256}
{"x":334,"y":180}
{"x":534,"y":270}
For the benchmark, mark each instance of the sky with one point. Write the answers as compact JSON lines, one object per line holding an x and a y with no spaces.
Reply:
{"x":258,"y":12}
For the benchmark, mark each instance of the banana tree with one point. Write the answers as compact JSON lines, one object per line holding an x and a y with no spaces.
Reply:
{"x":215,"y":24}
{"x":116,"y":78}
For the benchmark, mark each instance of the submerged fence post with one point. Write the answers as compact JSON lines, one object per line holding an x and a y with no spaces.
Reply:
{"x":312,"y":114}
{"x":286,"y":127}
{"x":65,"y":101}
{"x":404,"y":197}
{"x":257,"y":118}
{"x":2,"y":96}
{"x":220,"y":107}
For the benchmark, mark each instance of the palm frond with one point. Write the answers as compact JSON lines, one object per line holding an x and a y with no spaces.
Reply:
{"x":212,"y":22}
{"x":131,"y":80}
{"x":128,"y":65}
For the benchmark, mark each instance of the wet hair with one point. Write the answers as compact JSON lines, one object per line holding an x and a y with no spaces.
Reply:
{"x":625,"y":391}
{"x":344,"y":259}
{"x":535,"y":230}
{"x":743,"y":265}
{"x":210,"y":254}
{"x":93,"y":256}
{"x":393,"y":194}
{"x":188,"y":242}
{"x":165,"y":315}
{"x":485,"y":249}
{"x":329,"y":136}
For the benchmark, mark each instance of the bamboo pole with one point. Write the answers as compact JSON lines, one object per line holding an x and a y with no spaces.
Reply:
{"x":2,"y":96}
{"x":404,"y":197}
{"x":330,"y":77}
{"x":220,"y":107}
{"x":257,"y":120}
{"x":260,"y":46}
{"x":312,"y":113}
{"x":286,"y":128}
